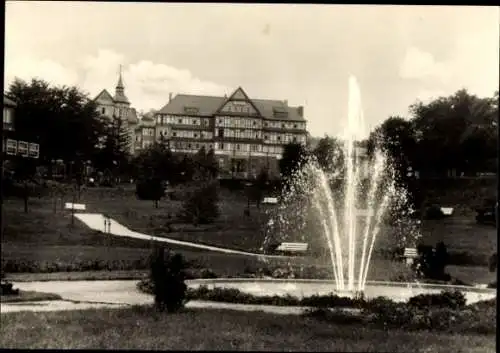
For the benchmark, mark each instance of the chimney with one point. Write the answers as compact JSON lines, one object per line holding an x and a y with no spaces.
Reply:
{"x":225,"y":95}
{"x":169,"y":97}
{"x":300,"y":111}
{"x":285,"y":102}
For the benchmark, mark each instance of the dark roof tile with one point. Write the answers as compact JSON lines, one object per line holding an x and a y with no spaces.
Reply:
{"x":208,"y":105}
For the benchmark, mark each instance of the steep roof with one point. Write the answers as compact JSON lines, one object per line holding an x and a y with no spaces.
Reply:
{"x":8,"y":102}
{"x":104,"y":96}
{"x":132,"y":117}
{"x":208,"y":106}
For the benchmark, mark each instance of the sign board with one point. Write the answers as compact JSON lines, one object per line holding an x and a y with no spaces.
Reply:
{"x":11,"y":147}
{"x":22,"y":148}
{"x":74,"y":206}
{"x":34,"y":150}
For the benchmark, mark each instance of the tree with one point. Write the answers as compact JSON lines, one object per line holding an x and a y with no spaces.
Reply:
{"x":150,"y":189}
{"x":329,"y":154}
{"x":396,"y":138}
{"x":260,"y":186}
{"x":493,"y":262}
{"x":294,"y":154}
{"x":167,"y":277}
{"x":24,"y":171}
{"x":114,"y":152}
{"x":157,"y":161}
{"x":443,"y":125}
{"x":211,"y":164}
{"x":201,"y":206}
{"x":63,"y":120}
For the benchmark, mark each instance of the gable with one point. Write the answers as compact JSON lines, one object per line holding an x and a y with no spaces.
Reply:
{"x":104,"y":97}
{"x":239,"y":95}
{"x":238,"y":107}
{"x":239,"y":103}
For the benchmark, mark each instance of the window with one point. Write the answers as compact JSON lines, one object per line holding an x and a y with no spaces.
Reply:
{"x":238,"y":147}
{"x":174,"y":134}
{"x":221,"y":146}
{"x":195,"y":122}
{"x":103,"y":110}
{"x":294,"y":126}
{"x":195,"y":135}
{"x":221,"y":133}
{"x":179,"y":121}
{"x":197,"y":146}
{"x":294,"y":139}
{"x":279,"y":138}
{"x":210,"y":146}
{"x":265,"y":124}
{"x":189,"y":146}
{"x":266,"y":137}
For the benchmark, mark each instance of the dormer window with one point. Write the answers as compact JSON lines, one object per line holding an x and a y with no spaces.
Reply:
{"x":191,"y":110}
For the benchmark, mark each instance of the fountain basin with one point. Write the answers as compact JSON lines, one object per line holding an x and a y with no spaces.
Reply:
{"x":396,"y":291}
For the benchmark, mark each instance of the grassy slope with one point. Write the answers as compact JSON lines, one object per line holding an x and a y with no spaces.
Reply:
{"x":51,"y":239}
{"x":29,"y":296}
{"x":142,"y":328}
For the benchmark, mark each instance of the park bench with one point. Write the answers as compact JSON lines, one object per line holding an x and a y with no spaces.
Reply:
{"x":292,"y":248}
{"x":74,"y":206}
{"x":447,"y":211}
{"x":270,"y":200}
{"x":410,"y":254}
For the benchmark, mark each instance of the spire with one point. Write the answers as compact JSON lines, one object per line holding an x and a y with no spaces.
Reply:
{"x":120,"y":96}
{"x":120,"y":80}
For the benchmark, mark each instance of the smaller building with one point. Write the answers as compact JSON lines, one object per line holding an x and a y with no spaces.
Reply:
{"x":118,"y":107}
{"x":9,"y":107}
{"x":145,"y":132}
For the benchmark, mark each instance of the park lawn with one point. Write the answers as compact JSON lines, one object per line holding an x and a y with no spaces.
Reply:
{"x":45,"y":236}
{"x":29,"y":296}
{"x":231,"y":230}
{"x":78,"y":276}
{"x":208,"y":329}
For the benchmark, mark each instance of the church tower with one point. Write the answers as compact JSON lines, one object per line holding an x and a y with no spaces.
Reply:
{"x":120,"y":96}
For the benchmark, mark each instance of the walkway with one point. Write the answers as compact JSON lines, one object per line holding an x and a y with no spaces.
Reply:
{"x":81,"y":295}
{"x":96,"y":221}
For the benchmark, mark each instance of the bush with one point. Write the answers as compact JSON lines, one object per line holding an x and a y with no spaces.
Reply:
{"x":446,"y":299}
{"x":150,"y":189}
{"x":6,"y":288}
{"x":201,"y":206}
{"x":434,"y":213}
{"x":431,"y":262}
{"x":167,"y":280}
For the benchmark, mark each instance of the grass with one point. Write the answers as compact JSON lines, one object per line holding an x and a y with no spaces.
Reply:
{"x":46,"y":237}
{"x":143,"y":328}
{"x":29,"y":296}
{"x":78,"y":276}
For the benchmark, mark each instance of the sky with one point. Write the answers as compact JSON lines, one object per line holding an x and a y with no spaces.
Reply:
{"x":303,"y":53}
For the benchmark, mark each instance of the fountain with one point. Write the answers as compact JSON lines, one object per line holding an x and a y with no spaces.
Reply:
{"x":349,"y":233}
{"x":341,"y":220}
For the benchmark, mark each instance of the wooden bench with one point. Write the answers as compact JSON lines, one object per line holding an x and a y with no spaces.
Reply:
{"x":292,"y":248}
{"x":74,"y":206}
{"x":410,"y":254}
{"x":270,"y":201}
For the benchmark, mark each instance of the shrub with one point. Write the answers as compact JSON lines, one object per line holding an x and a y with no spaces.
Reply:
{"x":150,"y":189}
{"x":201,"y":206}
{"x":434,"y":213}
{"x":431,"y":262}
{"x":446,"y":299}
{"x":167,"y":280}
{"x":6,"y":288}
